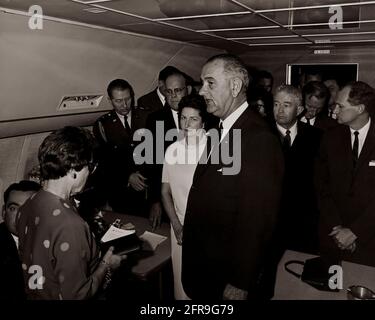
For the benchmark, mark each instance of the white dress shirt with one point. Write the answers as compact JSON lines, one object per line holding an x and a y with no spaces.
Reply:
{"x":292,"y":129}
{"x":161,"y":97}
{"x":362,"y":134}
{"x":312,"y":120}
{"x":232,"y":118}
{"x":175,"y":118}
{"x":122,"y":118}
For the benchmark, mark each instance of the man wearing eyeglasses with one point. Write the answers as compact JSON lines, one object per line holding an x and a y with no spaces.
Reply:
{"x":176,"y":87}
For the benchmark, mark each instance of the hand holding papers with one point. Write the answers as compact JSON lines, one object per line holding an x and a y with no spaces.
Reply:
{"x":114,"y":233}
{"x":124,"y":241}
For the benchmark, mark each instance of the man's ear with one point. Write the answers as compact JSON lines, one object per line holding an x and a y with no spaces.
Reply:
{"x":2,"y":217}
{"x":236,"y":86}
{"x":189,"y":88}
{"x":361,"y":108}
{"x":72,"y":173}
{"x":300,"y":109}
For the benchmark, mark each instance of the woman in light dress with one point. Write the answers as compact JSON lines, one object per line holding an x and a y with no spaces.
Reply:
{"x":181,"y":159}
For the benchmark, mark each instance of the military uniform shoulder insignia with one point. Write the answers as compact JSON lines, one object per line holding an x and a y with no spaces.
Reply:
{"x":107,"y":117}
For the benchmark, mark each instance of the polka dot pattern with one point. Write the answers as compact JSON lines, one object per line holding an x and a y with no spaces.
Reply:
{"x":56,"y":212}
{"x":61,"y":278}
{"x":64,"y":247}
{"x":46,"y":244}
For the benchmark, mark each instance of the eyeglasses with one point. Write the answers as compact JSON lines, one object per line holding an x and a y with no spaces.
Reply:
{"x":176,"y":91}
{"x":92,"y":167}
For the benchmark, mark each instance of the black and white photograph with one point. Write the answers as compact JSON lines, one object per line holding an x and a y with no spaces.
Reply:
{"x":177,"y":157}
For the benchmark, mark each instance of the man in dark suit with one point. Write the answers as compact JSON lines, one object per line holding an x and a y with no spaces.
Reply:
{"x":12,"y":285}
{"x":316,"y":97}
{"x":233,"y":201}
{"x":298,"y":220}
{"x":156,"y":99}
{"x":346,"y":179}
{"x":123,"y":183}
{"x":165,"y":119}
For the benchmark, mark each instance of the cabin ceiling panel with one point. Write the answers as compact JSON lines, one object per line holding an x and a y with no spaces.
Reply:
{"x":154,"y":29}
{"x":219,"y":23}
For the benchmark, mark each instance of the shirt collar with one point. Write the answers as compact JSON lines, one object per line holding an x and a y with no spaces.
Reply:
{"x":129,"y":116}
{"x":312,"y":120}
{"x":15,"y":238}
{"x":232,"y":118}
{"x":363,"y":131}
{"x":161,"y":97}
{"x":292,"y":129}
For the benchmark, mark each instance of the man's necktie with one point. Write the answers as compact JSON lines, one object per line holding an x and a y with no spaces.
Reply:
{"x":355,"y":148}
{"x":287,"y":140}
{"x":308,"y":121}
{"x":220,"y":130}
{"x":127,"y":124}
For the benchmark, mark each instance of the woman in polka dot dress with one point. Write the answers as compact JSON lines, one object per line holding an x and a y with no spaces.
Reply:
{"x":60,"y":259}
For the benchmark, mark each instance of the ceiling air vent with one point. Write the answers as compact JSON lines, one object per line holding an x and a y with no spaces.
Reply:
{"x":80,"y":102}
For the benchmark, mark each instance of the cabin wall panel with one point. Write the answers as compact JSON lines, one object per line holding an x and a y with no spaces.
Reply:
{"x":39,"y":67}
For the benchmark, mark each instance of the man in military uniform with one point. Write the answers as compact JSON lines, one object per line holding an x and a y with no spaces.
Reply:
{"x":120,"y":179}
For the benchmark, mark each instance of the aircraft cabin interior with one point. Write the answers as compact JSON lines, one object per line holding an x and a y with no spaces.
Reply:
{"x":57,"y":58}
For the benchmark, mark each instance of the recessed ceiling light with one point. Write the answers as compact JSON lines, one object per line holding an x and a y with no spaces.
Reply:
{"x":92,"y":1}
{"x":94,"y":10}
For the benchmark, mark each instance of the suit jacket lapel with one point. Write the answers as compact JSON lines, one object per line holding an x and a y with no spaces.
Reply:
{"x":300,"y":133}
{"x":119,"y":126}
{"x":169,"y":120}
{"x":211,"y":149}
{"x":344,"y":157}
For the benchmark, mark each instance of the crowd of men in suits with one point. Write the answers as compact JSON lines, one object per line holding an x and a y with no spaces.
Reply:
{"x":313,"y":189}
{"x":307,"y":178}
{"x":322,"y":195}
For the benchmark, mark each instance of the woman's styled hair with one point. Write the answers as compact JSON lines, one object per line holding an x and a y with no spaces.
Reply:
{"x":65,"y":149}
{"x":194,"y":101}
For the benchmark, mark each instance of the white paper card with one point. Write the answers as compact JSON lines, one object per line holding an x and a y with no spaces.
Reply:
{"x":115,"y":233}
{"x":153,"y":239}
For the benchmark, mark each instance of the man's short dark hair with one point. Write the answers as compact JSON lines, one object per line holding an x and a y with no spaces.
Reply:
{"x":65,"y":149}
{"x":23,"y":185}
{"x":194,"y":101}
{"x":264,"y":74}
{"x":181,"y":74}
{"x":163,"y":74}
{"x":361,"y":93}
{"x":119,"y":84}
{"x":317,"y":89}
{"x":233,"y":65}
